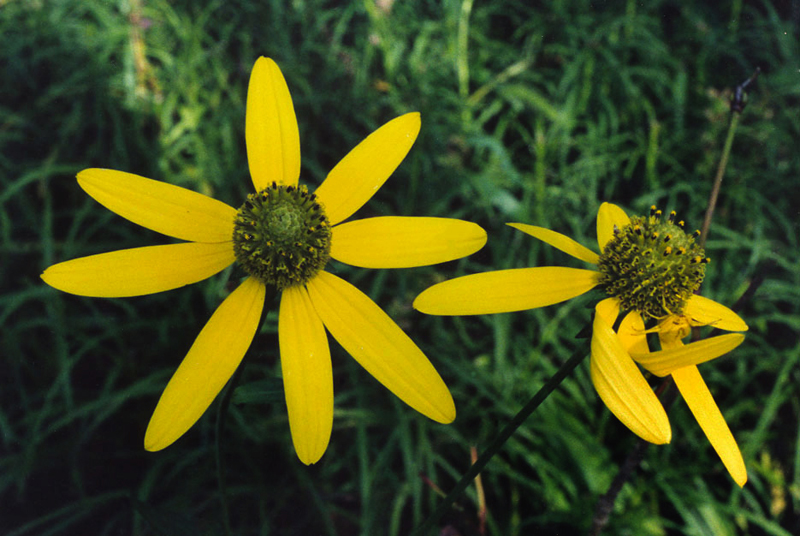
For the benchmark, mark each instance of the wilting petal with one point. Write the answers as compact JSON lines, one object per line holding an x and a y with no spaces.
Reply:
{"x":705,"y":410}
{"x":623,"y":389}
{"x":162,"y":207}
{"x":380,"y":346}
{"x":205,"y":370}
{"x":608,"y":217}
{"x":632,"y":333}
{"x":505,"y":291}
{"x":360,"y":174}
{"x":271,"y":135}
{"x":307,"y":374}
{"x":140,"y":271}
{"x":705,"y":312}
{"x":559,"y":241}
{"x":398,"y":242}
{"x":666,"y":362}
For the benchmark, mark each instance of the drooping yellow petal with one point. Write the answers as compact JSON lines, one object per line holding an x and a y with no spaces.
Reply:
{"x":140,"y":271}
{"x":705,"y":410}
{"x":505,"y":291}
{"x":667,"y":361}
{"x":271,"y":134}
{"x":400,"y":242}
{"x":608,"y":216}
{"x":632,"y":333}
{"x":623,"y":389}
{"x":559,"y":241}
{"x":162,"y":207}
{"x":380,"y":346}
{"x":356,"y":178}
{"x":205,"y":370}
{"x":705,"y":312}
{"x":307,"y":374}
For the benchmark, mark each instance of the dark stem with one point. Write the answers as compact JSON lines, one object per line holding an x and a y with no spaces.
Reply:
{"x":606,"y":503}
{"x":500,"y":440}
{"x":222,"y":413}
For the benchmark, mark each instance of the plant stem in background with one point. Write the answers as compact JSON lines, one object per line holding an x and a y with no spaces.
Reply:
{"x":737,"y":106}
{"x":222,"y":413}
{"x":500,"y":440}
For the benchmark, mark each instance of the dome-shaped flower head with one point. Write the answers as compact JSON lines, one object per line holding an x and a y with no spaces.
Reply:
{"x":648,"y":267}
{"x":282,"y":237}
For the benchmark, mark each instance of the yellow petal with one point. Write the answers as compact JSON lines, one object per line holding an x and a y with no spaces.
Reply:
{"x":632,"y":333}
{"x":666,"y":362}
{"x":505,"y":291}
{"x":139,"y":271}
{"x":271,"y":135}
{"x":623,"y":389}
{"x":705,"y":312}
{"x":608,"y":310}
{"x":307,"y":374}
{"x":205,"y":370}
{"x":360,"y":174}
{"x":705,"y":410}
{"x":380,"y":346}
{"x":559,"y":241}
{"x":162,"y":207}
{"x":609,"y":216}
{"x":399,"y":242}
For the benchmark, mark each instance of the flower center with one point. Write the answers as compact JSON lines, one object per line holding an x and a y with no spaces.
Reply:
{"x":652,"y":266}
{"x":282,"y":236}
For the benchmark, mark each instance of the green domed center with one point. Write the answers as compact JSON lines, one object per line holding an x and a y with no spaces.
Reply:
{"x":282,"y":236}
{"x":652,"y":266}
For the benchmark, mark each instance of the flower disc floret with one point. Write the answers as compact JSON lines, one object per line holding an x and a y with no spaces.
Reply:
{"x":652,"y":265}
{"x":282,"y":236}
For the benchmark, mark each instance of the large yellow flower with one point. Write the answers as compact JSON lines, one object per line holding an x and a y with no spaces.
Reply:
{"x":648,"y":266}
{"x":282,"y":236}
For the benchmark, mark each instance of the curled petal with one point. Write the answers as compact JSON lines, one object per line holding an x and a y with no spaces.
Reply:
{"x":271,"y":134}
{"x":608,"y":217}
{"x":705,"y":312}
{"x":608,"y":310}
{"x":505,"y":291}
{"x":208,"y":366}
{"x":694,"y":390}
{"x":307,"y":374}
{"x":356,"y":178}
{"x":159,"y":206}
{"x":623,"y":389}
{"x":632,"y":333}
{"x":140,"y":271}
{"x":559,"y":241}
{"x":667,"y":361}
{"x":398,"y":242}
{"x":380,"y":346}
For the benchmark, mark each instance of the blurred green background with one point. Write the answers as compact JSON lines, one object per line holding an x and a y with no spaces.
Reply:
{"x":532,"y":112}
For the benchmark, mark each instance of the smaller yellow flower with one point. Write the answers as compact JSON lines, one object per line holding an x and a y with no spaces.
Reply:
{"x":282,"y":237}
{"x":648,"y":266}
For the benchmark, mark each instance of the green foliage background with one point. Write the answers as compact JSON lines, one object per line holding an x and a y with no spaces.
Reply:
{"x":532,"y":112}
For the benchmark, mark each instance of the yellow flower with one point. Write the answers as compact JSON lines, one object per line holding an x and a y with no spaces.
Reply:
{"x":282,"y":236}
{"x":647,"y":265}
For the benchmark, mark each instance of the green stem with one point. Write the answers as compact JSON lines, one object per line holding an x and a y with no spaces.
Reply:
{"x":723,"y":164}
{"x":500,"y":440}
{"x":222,"y":413}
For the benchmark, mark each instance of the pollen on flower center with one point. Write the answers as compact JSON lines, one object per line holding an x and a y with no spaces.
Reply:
{"x":282,"y":236}
{"x":652,"y":266}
